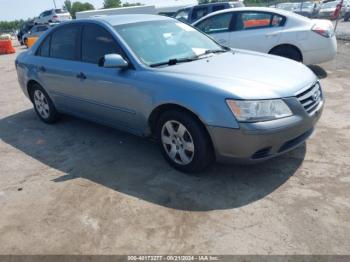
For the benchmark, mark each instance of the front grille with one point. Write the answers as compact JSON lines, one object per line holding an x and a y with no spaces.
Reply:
{"x":311,"y":98}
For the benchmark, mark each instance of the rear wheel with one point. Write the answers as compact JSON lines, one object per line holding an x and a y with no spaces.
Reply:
{"x":43,"y":105}
{"x":184,"y":142}
{"x":288,"y":52}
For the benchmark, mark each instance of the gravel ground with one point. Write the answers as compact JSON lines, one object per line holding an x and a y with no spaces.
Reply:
{"x":343,"y":30}
{"x":81,"y":188}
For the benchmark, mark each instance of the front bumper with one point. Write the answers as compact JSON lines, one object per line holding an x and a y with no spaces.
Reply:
{"x":254,"y":142}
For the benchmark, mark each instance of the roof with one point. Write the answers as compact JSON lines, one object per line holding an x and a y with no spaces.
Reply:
{"x":131,"y":18}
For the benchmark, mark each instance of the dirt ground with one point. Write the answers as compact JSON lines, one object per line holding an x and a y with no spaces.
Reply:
{"x":81,"y":188}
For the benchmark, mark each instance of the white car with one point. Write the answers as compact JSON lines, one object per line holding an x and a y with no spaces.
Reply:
{"x":53,"y":16}
{"x":272,"y":31}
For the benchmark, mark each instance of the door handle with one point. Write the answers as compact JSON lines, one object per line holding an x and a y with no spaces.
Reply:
{"x":272,"y":34}
{"x":42,"y":69}
{"x":81,"y":75}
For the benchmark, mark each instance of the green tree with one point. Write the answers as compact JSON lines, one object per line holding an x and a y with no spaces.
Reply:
{"x":126,"y":4}
{"x":111,"y":3}
{"x":10,"y":26}
{"x":68,"y":6}
{"x":78,"y":7}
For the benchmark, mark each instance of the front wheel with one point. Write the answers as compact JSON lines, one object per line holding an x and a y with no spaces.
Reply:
{"x":184,"y":142}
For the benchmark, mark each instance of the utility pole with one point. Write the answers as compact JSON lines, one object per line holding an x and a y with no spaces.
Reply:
{"x":54,"y":2}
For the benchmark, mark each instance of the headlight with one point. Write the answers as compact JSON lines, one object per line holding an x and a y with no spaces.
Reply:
{"x":258,"y":110}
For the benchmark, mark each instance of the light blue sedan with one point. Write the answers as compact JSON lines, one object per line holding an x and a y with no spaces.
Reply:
{"x":155,"y":76}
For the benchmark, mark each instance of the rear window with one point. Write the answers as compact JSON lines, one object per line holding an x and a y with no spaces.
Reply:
{"x":41,"y":28}
{"x":44,"y":49}
{"x":218,"y":7}
{"x":60,"y":11}
{"x":199,"y":12}
{"x":255,"y":20}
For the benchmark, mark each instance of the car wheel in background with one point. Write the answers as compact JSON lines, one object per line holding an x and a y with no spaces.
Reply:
{"x":184,"y":142}
{"x":287,"y":51}
{"x":43,"y":105}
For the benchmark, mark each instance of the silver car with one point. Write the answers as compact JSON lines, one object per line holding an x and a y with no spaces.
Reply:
{"x":155,"y":76}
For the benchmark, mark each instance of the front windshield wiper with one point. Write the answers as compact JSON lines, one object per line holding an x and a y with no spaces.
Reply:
{"x":175,"y":61}
{"x":214,"y":51}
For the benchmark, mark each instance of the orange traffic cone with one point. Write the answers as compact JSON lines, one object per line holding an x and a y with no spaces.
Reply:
{"x":6,"y":47}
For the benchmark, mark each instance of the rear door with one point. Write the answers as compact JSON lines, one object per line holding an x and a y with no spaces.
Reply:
{"x":58,"y":67}
{"x":258,"y":31}
{"x":219,"y":27}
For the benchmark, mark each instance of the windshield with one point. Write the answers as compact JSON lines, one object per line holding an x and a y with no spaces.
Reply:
{"x":160,"y":41}
{"x":60,"y":11}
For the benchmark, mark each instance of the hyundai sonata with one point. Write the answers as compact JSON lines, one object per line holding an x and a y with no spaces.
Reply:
{"x":155,"y":76}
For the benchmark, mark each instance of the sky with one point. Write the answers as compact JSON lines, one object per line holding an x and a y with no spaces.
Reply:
{"x":23,"y":9}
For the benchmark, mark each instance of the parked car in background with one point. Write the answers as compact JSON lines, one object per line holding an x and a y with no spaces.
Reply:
{"x":193,"y":13}
{"x":25,"y":28}
{"x":53,"y":16}
{"x":272,"y":31}
{"x":286,"y":6}
{"x":36,"y":31}
{"x":347,"y":13}
{"x":327,"y":9}
{"x":155,"y":76}
{"x":308,"y":9}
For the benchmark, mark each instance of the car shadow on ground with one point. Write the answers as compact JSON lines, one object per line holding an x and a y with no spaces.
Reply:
{"x":318,"y":71}
{"x":134,"y":166}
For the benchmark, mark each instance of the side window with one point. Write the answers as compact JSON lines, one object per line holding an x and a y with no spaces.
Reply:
{"x":44,"y":49}
{"x":256,"y":20}
{"x":277,"y":20}
{"x":218,"y":7}
{"x":97,"y":42}
{"x":41,"y":28}
{"x":216,"y":24}
{"x":47,"y":13}
{"x":199,"y":12}
{"x":65,"y":43}
{"x":182,"y":14}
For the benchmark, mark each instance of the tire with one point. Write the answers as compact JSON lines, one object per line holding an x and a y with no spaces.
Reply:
{"x":43,"y":105}
{"x":287,"y":52}
{"x":189,"y":151}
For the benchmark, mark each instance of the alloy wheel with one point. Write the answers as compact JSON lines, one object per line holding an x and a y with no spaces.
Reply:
{"x":41,"y":104}
{"x":177,"y":142}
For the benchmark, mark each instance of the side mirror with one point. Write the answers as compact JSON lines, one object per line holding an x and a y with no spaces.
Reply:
{"x":113,"y":61}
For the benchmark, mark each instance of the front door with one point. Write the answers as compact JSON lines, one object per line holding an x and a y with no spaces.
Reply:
{"x":218,"y":27}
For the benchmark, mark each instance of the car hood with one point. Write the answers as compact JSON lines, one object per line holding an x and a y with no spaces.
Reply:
{"x":246,"y":75}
